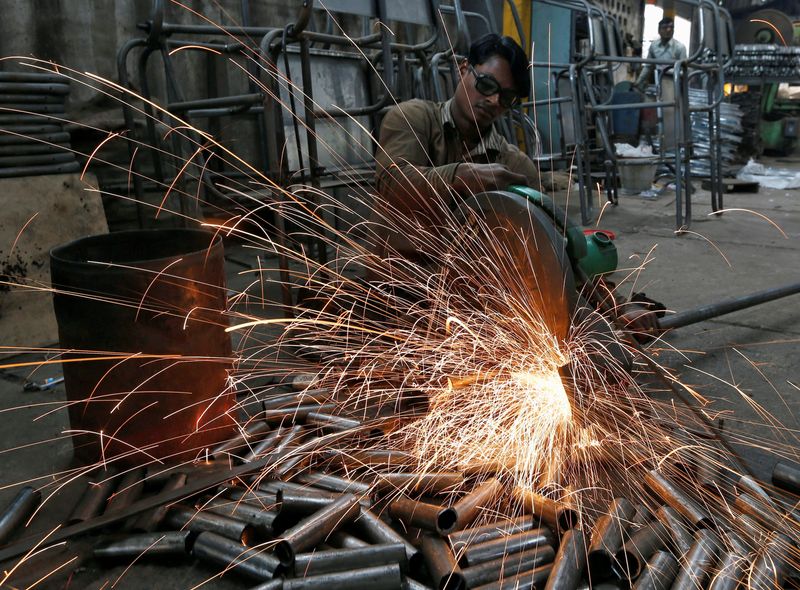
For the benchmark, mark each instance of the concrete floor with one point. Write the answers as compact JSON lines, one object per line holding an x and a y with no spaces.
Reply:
{"x":736,"y":361}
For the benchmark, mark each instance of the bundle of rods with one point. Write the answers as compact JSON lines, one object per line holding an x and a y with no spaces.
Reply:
{"x":334,"y":510}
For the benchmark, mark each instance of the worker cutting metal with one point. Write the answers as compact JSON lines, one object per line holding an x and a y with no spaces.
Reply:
{"x":431,"y":152}
{"x":435,"y":158}
{"x":665,"y":48}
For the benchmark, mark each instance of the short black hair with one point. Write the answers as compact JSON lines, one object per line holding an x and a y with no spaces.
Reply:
{"x":493,"y":44}
{"x":667,"y":20}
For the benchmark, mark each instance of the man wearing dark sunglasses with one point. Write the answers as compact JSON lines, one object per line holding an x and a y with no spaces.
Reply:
{"x":430,"y":152}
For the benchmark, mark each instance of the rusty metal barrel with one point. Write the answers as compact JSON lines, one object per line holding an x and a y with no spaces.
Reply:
{"x":141,"y":317}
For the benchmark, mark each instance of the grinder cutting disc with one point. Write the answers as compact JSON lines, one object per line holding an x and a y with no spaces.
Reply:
{"x":524,"y":245}
{"x":766,"y":26}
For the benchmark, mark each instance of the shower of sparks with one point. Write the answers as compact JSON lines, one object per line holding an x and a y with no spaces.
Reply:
{"x":504,"y":395}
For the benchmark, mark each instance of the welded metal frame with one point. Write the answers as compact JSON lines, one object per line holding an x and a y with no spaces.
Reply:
{"x":708,"y":59}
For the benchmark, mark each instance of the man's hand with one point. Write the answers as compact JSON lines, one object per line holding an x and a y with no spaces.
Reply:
{"x":640,"y":321}
{"x":477,"y":178}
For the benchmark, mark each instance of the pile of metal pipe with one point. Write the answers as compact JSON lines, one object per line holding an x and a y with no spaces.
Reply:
{"x":349,"y":514}
{"x":33,"y":139}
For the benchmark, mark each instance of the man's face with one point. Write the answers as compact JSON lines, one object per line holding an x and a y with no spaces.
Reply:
{"x":666,"y":31}
{"x":477,"y":107}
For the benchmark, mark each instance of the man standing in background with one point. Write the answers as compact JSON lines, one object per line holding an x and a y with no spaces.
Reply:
{"x":665,"y":49}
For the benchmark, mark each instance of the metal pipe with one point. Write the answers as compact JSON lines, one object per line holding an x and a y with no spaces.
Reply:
{"x":206,"y":482}
{"x":659,"y":572}
{"x":272,"y":486}
{"x":677,"y":499}
{"x":507,"y":545}
{"x":182,"y":517}
{"x":252,"y":431}
{"x":149,"y":521}
{"x":422,"y":482}
{"x":308,"y":396}
{"x":333,"y":483}
{"x":713,"y":310}
{"x":342,"y":540}
{"x":772,"y":564}
{"x":57,"y":138}
{"x":304,"y":501}
{"x":129,"y":490}
{"x":372,"y":458}
{"x":528,"y":580}
{"x":570,"y":562}
{"x":556,"y":515}
{"x":313,"y":529}
{"x":323,"y":562}
{"x":786,"y":477}
{"x":297,"y":413}
{"x":233,"y":556}
{"x":18,"y":511}
{"x":33,"y":88}
{"x":442,"y":564}
{"x":65,"y":168}
{"x":332,"y":422}
{"x":460,"y":539}
{"x":168,"y":543}
{"x":260,"y":498}
{"x":94,"y":497}
{"x":255,"y":515}
{"x":297,"y":456}
{"x":382,"y":577}
{"x":376,"y":531}
{"x":417,"y":514}
{"x":681,"y":539}
{"x":750,"y":486}
{"x":158,"y":474}
{"x":729,"y":571}
{"x":36,"y":77}
{"x":762,"y":512}
{"x":467,"y":508}
{"x":607,"y":538}
{"x":755,"y":533}
{"x":507,"y":566}
{"x":639,"y":548}
{"x":698,"y":562}
{"x":266,"y":445}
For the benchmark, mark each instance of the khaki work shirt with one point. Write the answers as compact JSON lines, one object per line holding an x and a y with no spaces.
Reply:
{"x":421,"y":134}
{"x":672,"y":50}
{"x":419,"y":151}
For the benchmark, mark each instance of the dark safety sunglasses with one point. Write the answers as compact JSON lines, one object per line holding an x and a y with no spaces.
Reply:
{"x":487,"y":85}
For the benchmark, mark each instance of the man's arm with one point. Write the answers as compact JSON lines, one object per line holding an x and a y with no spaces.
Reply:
{"x":680,"y":51}
{"x":409,"y":182}
{"x":644,"y":75}
{"x":405,"y":176}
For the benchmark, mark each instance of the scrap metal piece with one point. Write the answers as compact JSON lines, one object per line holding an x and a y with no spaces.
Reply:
{"x":18,"y":511}
{"x":659,"y":572}
{"x":606,"y":538}
{"x":442,"y":564}
{"x":222,"y":551}
{"x":312,"y":530}
{"x":677,"y":499}
{"x":507,"y":545}
{"x":508,"y":566}
{"x":699,"y":561}
{"x":94,"y":498}
{"x":570,"y":562}
{"x":169,"y":543}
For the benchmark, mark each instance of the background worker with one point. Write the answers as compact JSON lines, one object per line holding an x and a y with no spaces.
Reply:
{"x":665,"y":48}
{"x":430,"y":152}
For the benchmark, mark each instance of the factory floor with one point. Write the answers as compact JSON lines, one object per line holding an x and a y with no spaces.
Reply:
{"x":744,"y":365}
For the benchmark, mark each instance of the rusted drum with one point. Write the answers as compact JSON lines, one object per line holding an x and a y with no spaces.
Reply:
{"x":146,"y":311}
